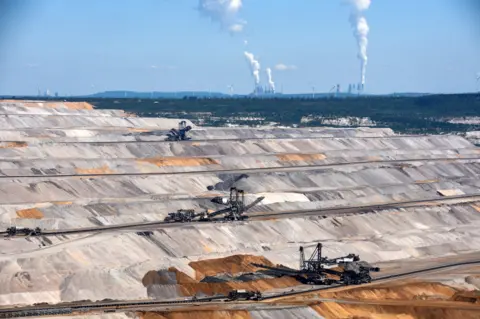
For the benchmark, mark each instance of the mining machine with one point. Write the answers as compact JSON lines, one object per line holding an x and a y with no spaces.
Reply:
{"x":320,"y":270}
{"x":235,"y":210}
{"x":23,"y":231}
{"x":179,"y":134}
{"x":243,"y":294}
{"x":236,"y":207}
{"x":183,"y":216}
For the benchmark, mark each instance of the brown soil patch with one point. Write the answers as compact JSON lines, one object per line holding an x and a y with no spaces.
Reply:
{"x":476,"y":207}
{"x":138,"y":130}
{"x":331,"y":310}
{"x":69,"y":105}
{"x":150,"y":315}
{"x":78,"y":105}
{"x":31,"y":213}
{"x":236,"y":314}
{"x":467,"y":296}
{"x":300,"y":157}
{"x":179,"y":161}
{"x":406,"y":291}
{"x":13,"y":144}
{"x":232,"y":265}
{"x":182,"y":278}
{"x":225,"y":287}
{"x":62,"y":203}
{"x":158,"y":278}
{"x":100,"y":170}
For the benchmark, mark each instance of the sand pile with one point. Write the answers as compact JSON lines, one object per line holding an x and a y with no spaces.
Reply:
{"x":165,"y":277}
{"x":179,"y":161}
{"x":331,"y":310}
{"x":68,"y":105}
{"x":98,"y":170}
{"x":467,"y":296}
{"x":30,"y":213}
{"x":223,"y":288}
{"x":232,"y":265}
{"x":239,"y":314}
{"x":406,"y":291}
{"x":13,"y":144}
{"x":160,"y":283}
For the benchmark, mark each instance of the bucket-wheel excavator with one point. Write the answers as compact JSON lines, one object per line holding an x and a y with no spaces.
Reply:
{"x":320,"y":270}
{"x":234,"y":211}
{"x":179,"y":134}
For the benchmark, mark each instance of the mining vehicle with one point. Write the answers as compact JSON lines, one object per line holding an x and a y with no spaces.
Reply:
{"x":321,"y":270}
{"x":181,"y":216}
{"x":357,"y":272}
{"x":179,"y":134}
{"x":350,"y":270}
{"x":236,"y":206}
{"x":235,"y":210}
{"x":13,"y":231}
{"x":243,"y":294}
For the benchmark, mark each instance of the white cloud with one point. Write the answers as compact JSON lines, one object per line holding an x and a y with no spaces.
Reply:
{"x":285,"y":67}
{"x":236,"y":28}
{"x":223,"y":11}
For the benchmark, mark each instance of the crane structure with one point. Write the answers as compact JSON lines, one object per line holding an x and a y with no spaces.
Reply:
{"x":320,"y":270}
{"x":234,"y":211}
{"x":179,"y":134}
{"x":236,"y":207}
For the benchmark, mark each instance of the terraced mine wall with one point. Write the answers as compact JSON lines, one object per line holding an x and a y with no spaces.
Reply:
{"x":63,"y":166}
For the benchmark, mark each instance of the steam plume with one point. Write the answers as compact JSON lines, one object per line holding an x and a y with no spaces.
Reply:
{"x":360,"y":31}
{"x":254,"y":67}
{"x":224,"y":12}
{"x":271,"y":84}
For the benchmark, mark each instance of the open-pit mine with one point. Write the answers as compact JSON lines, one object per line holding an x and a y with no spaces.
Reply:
{"x":104,"y":214}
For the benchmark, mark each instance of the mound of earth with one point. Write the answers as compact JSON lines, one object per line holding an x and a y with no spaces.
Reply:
{"x":213,"y":277}
{"x":402,"y":291}
{"x":331,"y":310}
{"x":238,"y":314}
{"x":232,"y":265}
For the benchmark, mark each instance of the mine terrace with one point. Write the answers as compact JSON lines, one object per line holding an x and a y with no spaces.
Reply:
{"x":105,"y":214}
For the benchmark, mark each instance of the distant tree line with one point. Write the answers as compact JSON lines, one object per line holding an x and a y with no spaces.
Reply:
{"x":421,"y":114}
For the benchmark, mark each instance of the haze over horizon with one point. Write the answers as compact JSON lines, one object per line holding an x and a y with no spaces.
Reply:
{"x":84,"y":46}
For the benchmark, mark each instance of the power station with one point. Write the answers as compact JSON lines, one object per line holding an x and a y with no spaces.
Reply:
{"x":263,"y":90}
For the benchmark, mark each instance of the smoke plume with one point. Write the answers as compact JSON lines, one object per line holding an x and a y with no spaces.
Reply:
{"x":360,"y":31}
{"x":271,"y":84}
{"x":224,"y":12}
{"x":254,"y":67}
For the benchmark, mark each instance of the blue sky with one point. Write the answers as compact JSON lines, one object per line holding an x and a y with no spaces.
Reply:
{"x":85,"y":46}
